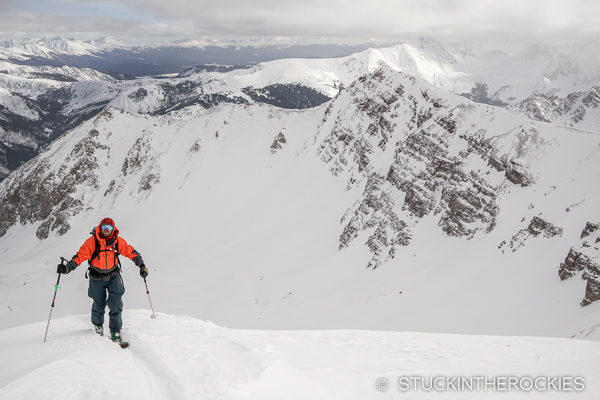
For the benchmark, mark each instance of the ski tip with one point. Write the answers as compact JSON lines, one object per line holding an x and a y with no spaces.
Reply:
{"x":124,"y":345}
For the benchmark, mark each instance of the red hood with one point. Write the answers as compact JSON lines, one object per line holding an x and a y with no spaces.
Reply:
{"x":114,"y":232}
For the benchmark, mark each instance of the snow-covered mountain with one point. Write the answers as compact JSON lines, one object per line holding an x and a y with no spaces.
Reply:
{"x":60,"y":97}
{"x":53,"y":99}
{"x":468,"y":215}
{"x":38,"y":104}
{"x":49,"y":47}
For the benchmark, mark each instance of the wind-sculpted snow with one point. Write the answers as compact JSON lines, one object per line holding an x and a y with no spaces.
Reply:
{"x":179,"y":357}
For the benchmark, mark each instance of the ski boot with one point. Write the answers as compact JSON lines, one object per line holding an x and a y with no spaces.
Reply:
{"x":116,"y":337}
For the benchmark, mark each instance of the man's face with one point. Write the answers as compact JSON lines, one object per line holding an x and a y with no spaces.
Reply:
{"x":106,"y":230}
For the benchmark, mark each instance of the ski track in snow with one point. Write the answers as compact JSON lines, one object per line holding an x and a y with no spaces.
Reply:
{"x":177,"y":357}
{"x":163,"y":383}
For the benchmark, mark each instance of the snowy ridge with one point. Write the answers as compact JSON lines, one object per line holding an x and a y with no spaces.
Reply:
{"x":15,"y":104}
{"x":60,"y":74}
{"x":183,"y":358}
{"x":511,"y":78}
{"x":512,"y":72}
{"x":51,"y":48}
{"x":578,"y":109}
{"x":41,"y":103}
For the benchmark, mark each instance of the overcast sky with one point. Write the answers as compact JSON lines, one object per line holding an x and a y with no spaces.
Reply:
{"x":353,"y":20}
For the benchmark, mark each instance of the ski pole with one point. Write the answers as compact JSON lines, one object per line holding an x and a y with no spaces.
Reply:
{"x":56,"y":287}
{"x":148,"y":293}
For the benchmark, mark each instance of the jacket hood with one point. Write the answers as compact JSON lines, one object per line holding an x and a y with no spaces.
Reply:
{"x":109,"y":221}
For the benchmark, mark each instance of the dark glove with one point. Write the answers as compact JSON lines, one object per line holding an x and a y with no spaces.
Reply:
{"x":143,"y":271}
{"x":137,"y":260}
{"x":66,"y":268}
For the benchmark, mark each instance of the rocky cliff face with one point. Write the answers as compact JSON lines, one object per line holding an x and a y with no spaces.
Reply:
{"x":40,"y":192}
{"x":67,"y":179}
{"x":415,"y":153}
{"x":584,"y":259}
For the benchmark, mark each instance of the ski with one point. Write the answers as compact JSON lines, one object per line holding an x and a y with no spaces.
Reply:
{"x":123,"y":344}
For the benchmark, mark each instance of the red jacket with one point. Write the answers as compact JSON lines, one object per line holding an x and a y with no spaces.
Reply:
{"x":106,"y":260}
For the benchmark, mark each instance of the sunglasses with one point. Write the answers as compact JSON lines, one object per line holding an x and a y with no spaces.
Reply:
{"x":106,"y":226}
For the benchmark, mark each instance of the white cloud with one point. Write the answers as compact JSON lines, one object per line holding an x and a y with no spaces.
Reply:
{"x":385,"y":19}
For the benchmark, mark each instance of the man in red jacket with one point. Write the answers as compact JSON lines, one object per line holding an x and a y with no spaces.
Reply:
{"x":101,"y":251}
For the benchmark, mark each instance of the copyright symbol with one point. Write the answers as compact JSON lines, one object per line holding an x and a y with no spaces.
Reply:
{"x":382,"y":384}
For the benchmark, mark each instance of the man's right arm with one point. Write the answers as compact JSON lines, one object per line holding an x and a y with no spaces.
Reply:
{"x":85,"y":251}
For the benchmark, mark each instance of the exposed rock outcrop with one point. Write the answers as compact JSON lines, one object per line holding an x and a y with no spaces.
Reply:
{"x":589,"y":229}
{"x":586,"y":259}
{"x":577,"y":109}
{"x":39,"y":193}
{"x":278,"y":142}
{"x":537,"y":226}
{"x":414,"y":154}
{"x":59,"y":184}
{"x":376,"y":212}
{"x":514,"y":172}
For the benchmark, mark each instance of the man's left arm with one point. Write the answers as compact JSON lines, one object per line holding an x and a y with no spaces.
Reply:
{"x":128,"y":251}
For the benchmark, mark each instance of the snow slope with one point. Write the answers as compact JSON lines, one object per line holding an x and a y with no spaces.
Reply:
{"x":180,"y":357}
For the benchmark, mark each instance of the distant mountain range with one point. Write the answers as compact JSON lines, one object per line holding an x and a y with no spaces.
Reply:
{"x":113,"y":56}
{"x":49,"y":85}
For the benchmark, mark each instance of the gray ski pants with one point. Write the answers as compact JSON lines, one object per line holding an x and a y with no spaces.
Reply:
{"x":98,"y":291}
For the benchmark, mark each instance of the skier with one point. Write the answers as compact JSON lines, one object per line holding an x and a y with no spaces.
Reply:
{"x":101,"y":251}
